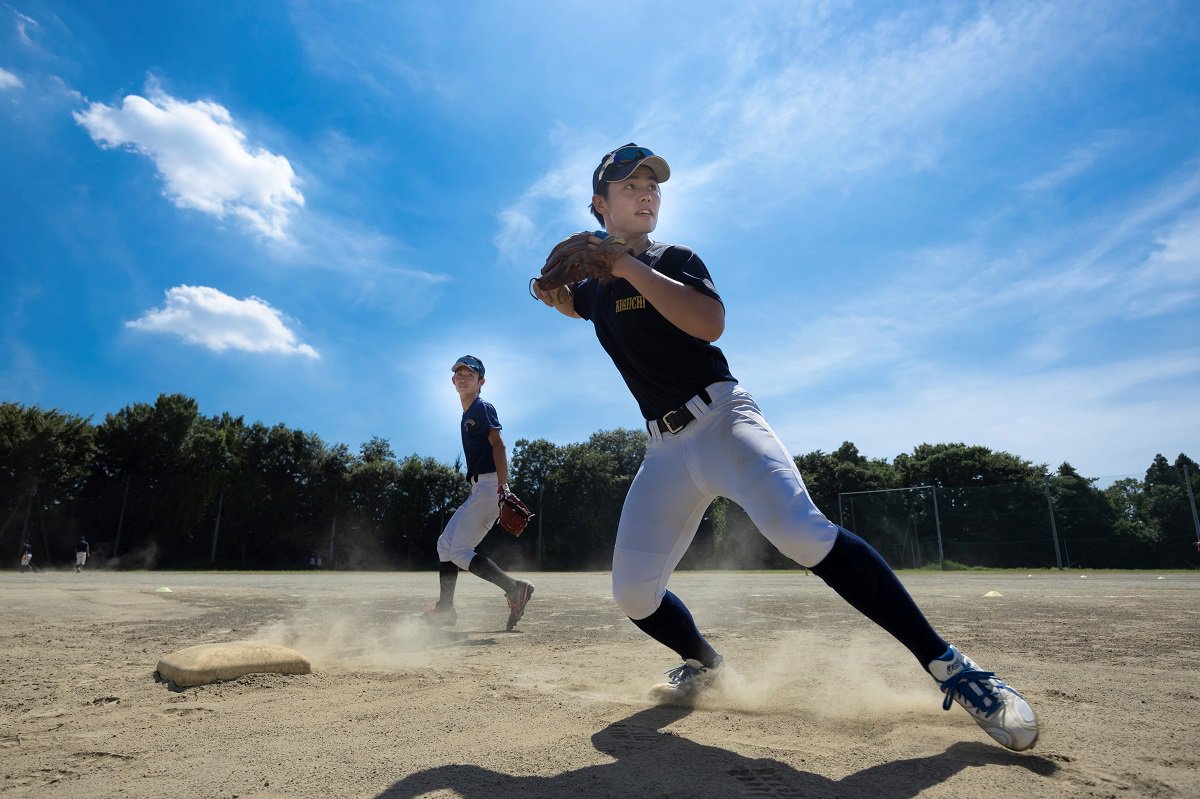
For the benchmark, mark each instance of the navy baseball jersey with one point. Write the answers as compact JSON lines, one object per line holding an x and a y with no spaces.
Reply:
{"x":663,"y":366}
{"x":477,"y":421}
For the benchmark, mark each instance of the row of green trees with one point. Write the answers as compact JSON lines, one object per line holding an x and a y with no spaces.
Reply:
{"x":161,"y":485}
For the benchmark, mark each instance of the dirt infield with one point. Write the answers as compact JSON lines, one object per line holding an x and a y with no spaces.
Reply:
{"x":816,"y":702}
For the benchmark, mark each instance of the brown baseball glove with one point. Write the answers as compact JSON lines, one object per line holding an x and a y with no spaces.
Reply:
{"x":514,"y":515}
{"x":581,"y":255}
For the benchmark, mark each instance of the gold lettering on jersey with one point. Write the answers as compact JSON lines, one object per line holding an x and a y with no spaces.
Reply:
{"x":634,"y":303}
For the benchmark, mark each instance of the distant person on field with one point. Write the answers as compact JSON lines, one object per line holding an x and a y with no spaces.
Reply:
{"x":26,"y":557}
{"x":487,"y":470}
{"x":82,"y":550}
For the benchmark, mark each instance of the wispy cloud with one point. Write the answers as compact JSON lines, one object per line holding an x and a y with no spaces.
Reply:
{"x":382,"y":49}
{"x":208,"y":317}
{"x":801,"y":111}
{"x":202,"y":157}
{"x":1076,"y":162}
{"x":24,"y":24}
{"x":8,"y":80}
{"x":1038,"y":299}
{"x":1047,"y":416}
{"x":522,"y":224}
{"x":363,"y":268}
{"x":1170,"y":277}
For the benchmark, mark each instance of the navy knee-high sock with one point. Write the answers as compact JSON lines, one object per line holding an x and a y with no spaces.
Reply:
{"x":863,"y":578}
{"x":447,"y":579}
{"x":673,"y":626}
{"x":484,"y":567}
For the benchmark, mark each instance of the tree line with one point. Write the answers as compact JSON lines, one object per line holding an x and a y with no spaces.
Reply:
{"x":162,"y":486}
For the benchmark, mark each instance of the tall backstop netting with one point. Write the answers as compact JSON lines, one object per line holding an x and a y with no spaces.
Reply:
{"x":1015,"y":525}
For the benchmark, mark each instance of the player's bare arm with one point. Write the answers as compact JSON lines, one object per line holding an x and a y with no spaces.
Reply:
{"x":683,"y":306}
{"x":500,"y":454}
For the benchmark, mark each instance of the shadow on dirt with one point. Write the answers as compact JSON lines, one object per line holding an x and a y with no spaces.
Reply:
{"x":650,"y":762}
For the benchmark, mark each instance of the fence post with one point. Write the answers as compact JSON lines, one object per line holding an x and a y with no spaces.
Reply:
{"x":217,"y":527}
{"x":1053,"y":525}
{"x":333,"y":528}
{"x":541,"y":553}
{"x":937,"y":521}
{"x":121,"y":518}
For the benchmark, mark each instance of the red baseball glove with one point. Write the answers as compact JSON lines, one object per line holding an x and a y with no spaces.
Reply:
{"x":514,"y":515}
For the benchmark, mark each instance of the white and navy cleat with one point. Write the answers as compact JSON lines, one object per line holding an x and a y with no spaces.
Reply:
{"x":685,"y":683}
{"x":999,"y":709}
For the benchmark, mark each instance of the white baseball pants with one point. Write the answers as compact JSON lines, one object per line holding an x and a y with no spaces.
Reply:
{"x":470,"y":523}
{"x":729,"y":450}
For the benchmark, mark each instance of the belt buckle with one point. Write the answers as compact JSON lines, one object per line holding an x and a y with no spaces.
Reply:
{"x":671,"y":428}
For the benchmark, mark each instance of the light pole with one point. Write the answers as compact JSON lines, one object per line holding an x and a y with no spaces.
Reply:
{"x":541,"y":515}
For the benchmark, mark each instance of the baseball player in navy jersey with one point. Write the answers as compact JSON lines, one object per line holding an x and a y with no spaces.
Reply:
{"x":657,"y":318}
{"x":487,"y":469}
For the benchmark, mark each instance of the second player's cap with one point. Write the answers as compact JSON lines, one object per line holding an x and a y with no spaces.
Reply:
{"x":471,"y":362}
{"x":620,"y":163}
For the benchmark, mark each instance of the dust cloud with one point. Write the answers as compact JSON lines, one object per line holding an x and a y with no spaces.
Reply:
{"x":332,"y":637}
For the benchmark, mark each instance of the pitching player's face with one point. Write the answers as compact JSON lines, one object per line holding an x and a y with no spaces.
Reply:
{"x":631,"y":207}
{"x":466,"y":381}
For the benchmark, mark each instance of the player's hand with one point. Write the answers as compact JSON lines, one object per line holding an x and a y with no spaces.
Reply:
{"x":551,"y":297}
{"x":578,"y":257}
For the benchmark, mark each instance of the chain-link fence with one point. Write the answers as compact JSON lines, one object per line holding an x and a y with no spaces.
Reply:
{"x":1026,"y":525}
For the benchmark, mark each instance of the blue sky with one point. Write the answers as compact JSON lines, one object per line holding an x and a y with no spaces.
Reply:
{"x":973,"y":222}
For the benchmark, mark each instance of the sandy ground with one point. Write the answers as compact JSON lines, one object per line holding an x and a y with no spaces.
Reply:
{"x":815,"y":702}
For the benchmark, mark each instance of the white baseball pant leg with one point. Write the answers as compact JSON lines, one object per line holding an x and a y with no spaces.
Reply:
{"x":729,"y":450}
{"x":470,"y":523}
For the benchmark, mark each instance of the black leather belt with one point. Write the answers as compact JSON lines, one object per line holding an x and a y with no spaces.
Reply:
{"x":681,"y":417}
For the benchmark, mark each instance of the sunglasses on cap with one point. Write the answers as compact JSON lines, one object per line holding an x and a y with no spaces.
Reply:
{"x":624,"y":155}
{"x":621,"y":162}
{"x":471,"y":362}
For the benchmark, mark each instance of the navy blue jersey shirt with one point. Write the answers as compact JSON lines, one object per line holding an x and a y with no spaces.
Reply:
{"x":663,"y":366}
{"x":477,"y":421}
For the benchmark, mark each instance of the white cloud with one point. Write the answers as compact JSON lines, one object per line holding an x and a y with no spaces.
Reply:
{"x":8,"y":80}
{"x":212,"y":319}
{"x":202,"y":157}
